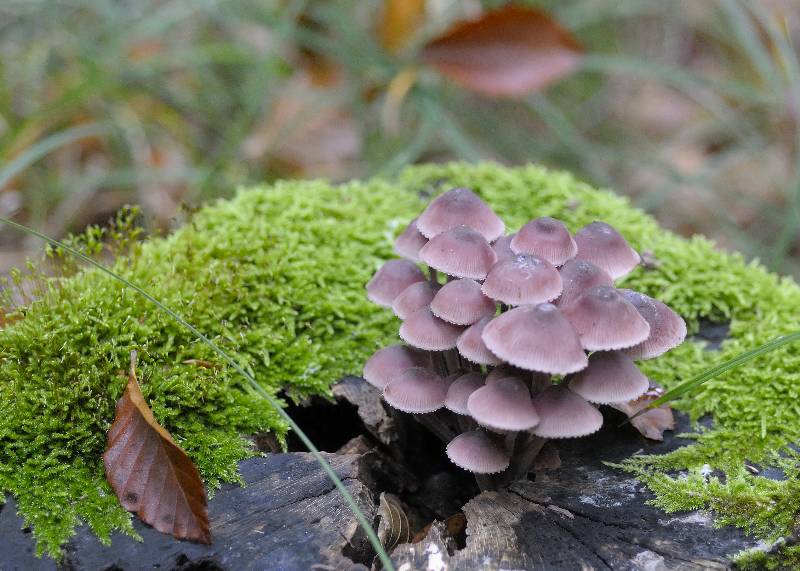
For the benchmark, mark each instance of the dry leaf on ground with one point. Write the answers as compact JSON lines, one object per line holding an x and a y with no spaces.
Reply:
{"x":654,"y":422}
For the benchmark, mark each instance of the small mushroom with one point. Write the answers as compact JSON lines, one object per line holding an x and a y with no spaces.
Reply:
{"x":546,"y":238}
{"x":414,"y":297}
{"x":459,"y":391}
{"x":523,"y":279}
{"x":564,"y":414}
{"x":477,"y":452}
{"x":417,"y":390}
{"x":536,"y":338}
{"x":391,"y":279}
{"x":503,"y":405}
{"x":460,"y":252}
{"x":600,"y":244}
{"x":389,"y":362}
{"x":611,"y":377}
{"x":506,"y":370}
{"x":471,"y":346}
{"x":457,"y":207}
{"x":502,"y":247}
{"x":424,"y":330}
{"x":605,"y":320}
{"x":667,"y":328}
{"x":576,"y":277}
{"x":462,"y":302}
{"x":409,"y":242}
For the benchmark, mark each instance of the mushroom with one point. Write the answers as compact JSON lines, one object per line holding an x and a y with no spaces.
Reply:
{"x":389,"y":362}
{"x":414,"y":297}
{"x":600,"y":244}
{"x":536,"y":338}
{"x":462,"y":302}
{"x":503,"y":405}
{"x":471,"y":346}
{"x":611,"y":377}
{"x":605,"y":320}
{"x":523,"y":279}
{"x":506,"y":370}
{"x":564,"y":414}
{"x":576,"y":277}
{"x":667,"y":328}
{"x":460,"y":252}
{"x":391,"y":279}
{"x":502,"y":247}
{"x":457,"y":207}
{"x":409,"y":242}
{"x":546,"y":238}
{"x":459,"y":391}
{"x":477,"y":452}
{"x":417,"y":390}
{"x":424,"y":330}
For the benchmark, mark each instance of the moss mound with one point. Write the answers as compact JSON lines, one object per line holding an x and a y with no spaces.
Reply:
{"x":276,"y":277}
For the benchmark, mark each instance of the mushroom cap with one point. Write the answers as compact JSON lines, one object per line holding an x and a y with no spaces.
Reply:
{"x":611,"y":377}
{"x":523,"y":279}
{"x":577,"y":276}
{"x":459,"y":391}
{"x":503,"y":405}
{"x":605,"y":320}
{"x":667,"y":328}
{"x":545,"y":238}
{"x":476,"y":452}
{"x":502,"y":247}
{"x":471,"y":346}
{"x":536,"y":338}
{"x":564,"y":414}
{"x":601,"y":244}
{"x":417,"y":390}
{"x":409,"y":242}
{"x":389,"y":362}
{"x":424,"y":330}
{"x":414,"y":297}
{"x":506,"y":370}
{"x":391,"y":279}
{"x":457,"y":207}
{"x":462,"y":302}
{"x":461,"y":252}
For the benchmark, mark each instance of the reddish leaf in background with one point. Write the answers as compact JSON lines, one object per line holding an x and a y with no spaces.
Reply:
{"x":508,"y":52}
{"x":150,"y":474}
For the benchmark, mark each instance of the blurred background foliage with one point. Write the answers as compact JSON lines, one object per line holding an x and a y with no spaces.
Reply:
{"x":690,"y":108}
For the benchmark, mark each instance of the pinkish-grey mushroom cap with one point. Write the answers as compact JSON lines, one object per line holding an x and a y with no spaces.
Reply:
{"x":461,"y":252}
{"x":545,"y":238}
{"x":564,"y":414}
{"x":523,"y":279}
{"x":391,"y":279}
{"x":577,"y":276}
{"x":536,"y":338}
{"x":667,"y":328}
{"x":409,"y":242}
{"x":601,"y":244}
{"x":605,"y":320}
{"x":389,"y":362}
{"x":477,"y":452}
{"x":502,"y":247}
{"x":460,"y":207}
{"x":414,"y":297}
{"x":503,"y":405}
{"x":471,"y":346}
{"x":506,"y":370}
{"x":462,"y":302}
{"x":417,"y":390}
{"x":459,"y":391}
{"x":611,"y":377}
{"x":424,"y":330}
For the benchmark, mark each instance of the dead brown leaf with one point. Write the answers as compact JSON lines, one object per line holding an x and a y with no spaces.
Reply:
{"x":401,"y":20}
{"x":508,"y":52}
{"x":149,"y":472}
{"x":654,"y":422}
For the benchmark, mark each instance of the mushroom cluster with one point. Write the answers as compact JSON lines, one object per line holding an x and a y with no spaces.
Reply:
{"x":511,"y":340}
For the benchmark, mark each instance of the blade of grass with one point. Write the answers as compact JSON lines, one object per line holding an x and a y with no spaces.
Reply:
{"x":362,"y":520}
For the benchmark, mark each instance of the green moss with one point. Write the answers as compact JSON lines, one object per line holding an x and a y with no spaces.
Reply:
{"x":784,"y":558}
{"x":276,"y":276}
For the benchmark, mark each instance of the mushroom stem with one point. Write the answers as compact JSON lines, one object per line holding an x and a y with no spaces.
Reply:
{"x":439,"y":363}
{"x":526,"y":448}
{"x":452,"y":360}
{"x":486,"y":482}
{"x":435,"y":423}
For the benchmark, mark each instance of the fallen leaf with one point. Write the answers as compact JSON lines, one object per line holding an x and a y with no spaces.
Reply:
{"x":508,"y":52}
{"x":150,"y":474}
{"x":400,"y":21}
{"x":393,"y":527}
{"x":654,"y":422}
